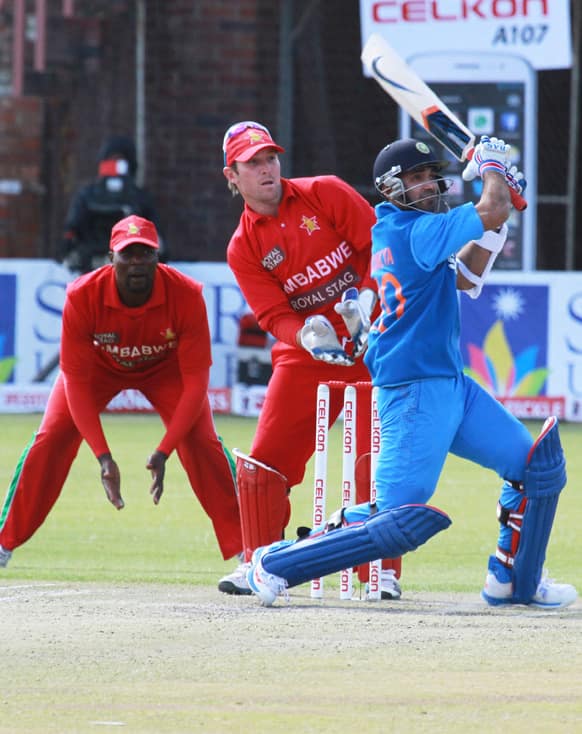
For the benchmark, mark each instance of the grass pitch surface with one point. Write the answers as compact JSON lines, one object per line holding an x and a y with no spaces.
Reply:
{"x":111,"y":620}
{"x":86,"y":539}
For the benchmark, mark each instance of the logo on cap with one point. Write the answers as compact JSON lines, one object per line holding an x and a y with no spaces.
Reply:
{"x":423,"y":148}
{"x":133,"y":230}
{"x":243,"y":140}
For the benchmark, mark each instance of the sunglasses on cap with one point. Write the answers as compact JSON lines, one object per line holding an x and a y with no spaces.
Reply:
{"x":237,"y":129}
{"x":240,"y":127}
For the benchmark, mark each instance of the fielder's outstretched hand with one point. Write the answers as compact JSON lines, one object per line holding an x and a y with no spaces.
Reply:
{"x":157,"y":466}
{"x":111,"y":480}
{"x":318,"y":337}
{"x":355,"y":308}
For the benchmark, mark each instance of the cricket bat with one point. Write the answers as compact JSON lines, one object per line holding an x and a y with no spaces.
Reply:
{"x":417,"y":99}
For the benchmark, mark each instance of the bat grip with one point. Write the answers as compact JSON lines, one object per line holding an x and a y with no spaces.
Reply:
{"x":517,"y":200}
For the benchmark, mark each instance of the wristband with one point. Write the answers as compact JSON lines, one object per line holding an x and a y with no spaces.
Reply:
{"x":491,"y":165}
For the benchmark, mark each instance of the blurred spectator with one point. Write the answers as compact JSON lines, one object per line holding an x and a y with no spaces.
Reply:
{"x":97,"y":205}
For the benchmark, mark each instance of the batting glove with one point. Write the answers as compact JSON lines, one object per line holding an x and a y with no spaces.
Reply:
{"x":355,"y":309}
{"x":318,"y":337}
{"x":515,"y":179}
{"x":491,"y":154}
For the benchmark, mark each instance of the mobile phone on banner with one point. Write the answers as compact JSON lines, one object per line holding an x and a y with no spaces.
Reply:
{"x":493,"y":95}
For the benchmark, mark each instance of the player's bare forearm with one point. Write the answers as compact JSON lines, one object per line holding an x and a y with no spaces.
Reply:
{"x":494,"y":206}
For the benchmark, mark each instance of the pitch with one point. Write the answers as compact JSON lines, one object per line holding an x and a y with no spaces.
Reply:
{"x":112,"y":620}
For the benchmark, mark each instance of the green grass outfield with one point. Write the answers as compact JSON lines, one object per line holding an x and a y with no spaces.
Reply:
{"x":112,"y":621}
{"x":85,"y":539}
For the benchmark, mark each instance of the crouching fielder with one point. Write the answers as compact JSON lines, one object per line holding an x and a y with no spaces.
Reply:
{"x":427,"y":406}
{"x":134,"y":324}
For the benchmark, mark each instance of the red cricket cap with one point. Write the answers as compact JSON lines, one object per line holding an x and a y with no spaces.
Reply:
{"x":132,"y":230}
{"x":243,"y":140}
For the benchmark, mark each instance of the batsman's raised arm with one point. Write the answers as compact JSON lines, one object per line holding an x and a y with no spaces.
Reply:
{"x":490,"y":162}
{"x":476,"y":259}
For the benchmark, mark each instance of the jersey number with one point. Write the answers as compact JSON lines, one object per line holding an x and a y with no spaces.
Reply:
{"x":392,"y":283}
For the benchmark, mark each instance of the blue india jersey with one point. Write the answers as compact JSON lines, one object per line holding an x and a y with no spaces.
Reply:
{"x":416,"y":335}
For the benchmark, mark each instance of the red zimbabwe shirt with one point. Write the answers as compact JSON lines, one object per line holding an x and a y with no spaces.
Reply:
{"x":298,"y":263}
{"x":103,"y":339}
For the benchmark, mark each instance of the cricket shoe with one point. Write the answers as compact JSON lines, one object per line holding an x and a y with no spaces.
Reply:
{"x":549,"y":594}
{"x":389,"y":586}
{"x":266,"y":585}
{"x":5,"y":556}
{"x":236,"y":583}
{"x":390,"y":589}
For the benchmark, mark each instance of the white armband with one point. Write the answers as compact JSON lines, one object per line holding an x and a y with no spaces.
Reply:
{"x":477,"y":281}
{"x":493,"y":241}
{"x":468,"y":274}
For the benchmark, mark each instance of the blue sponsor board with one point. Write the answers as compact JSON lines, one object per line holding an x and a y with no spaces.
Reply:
{"x":7,"y":326}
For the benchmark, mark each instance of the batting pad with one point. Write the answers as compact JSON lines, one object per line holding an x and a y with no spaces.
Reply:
{"x":386,"y":534}
{"x":545,"y":477}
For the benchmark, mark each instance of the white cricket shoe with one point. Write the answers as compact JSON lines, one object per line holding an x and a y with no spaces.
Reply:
{"x":265,"y":585}
{"x":389,"y":586}
{"x":5,"y":556}
{"x":549,"y":594}
{"x":236,"y":582}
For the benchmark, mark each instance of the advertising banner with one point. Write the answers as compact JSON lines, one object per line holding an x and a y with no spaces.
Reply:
{"x":32,"y":294}
{"x":536,"y":30}
{"x":521,"y":340}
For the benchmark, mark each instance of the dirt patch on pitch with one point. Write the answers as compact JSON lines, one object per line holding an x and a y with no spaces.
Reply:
{"x":80,"y":657}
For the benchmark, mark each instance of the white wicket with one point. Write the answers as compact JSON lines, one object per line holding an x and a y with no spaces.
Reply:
{"x":349,"y":455}
{"x":348,"y":474}
{"x":374,"y":583}
{"x":320,"y":482}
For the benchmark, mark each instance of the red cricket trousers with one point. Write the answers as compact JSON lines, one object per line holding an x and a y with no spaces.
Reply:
{"x":45,"y":463}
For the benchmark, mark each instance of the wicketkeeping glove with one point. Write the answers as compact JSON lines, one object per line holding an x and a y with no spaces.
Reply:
{"x":491,"y":154}
{"x":318,"y":337}
{"x":355,"y":309}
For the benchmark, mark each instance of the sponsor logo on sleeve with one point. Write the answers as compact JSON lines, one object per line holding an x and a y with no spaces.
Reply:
{"x":273,"y":258}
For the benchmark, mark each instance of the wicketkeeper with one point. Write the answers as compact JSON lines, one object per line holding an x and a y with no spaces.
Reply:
{"x":301,"y":256}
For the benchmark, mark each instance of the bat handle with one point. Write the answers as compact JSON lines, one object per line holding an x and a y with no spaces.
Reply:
{"x":517,"y":200}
